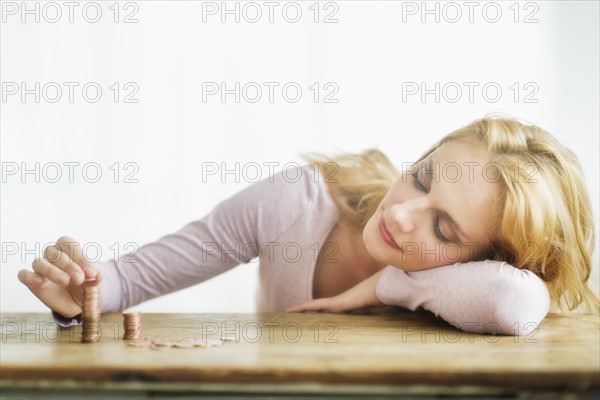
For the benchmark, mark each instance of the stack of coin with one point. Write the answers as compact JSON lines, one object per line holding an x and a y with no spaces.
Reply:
{"x":90,"y":315}
{"x":132,"y":326}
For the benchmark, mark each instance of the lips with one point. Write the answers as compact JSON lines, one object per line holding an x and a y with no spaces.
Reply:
{"x":386,"y":235}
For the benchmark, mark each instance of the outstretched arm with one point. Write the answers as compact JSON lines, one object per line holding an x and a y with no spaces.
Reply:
{"x":232,"y":233}
{"x":479,"y":296}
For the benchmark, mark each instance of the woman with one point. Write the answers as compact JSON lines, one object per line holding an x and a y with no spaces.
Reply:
{"x":490,"y":226}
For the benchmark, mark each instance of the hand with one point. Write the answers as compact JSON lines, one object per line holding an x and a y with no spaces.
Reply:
{"x":360,"y":296}
{"x":60,"y":276}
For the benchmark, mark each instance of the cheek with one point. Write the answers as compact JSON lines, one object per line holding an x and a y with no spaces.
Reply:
{"x":371,"y":230}
{"x":398,"y":192}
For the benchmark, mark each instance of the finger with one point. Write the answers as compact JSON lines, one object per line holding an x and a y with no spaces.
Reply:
{"x":49,"y":293}
{"x":30,"y":279}
{"x":91,"y":272}
{"x":60,"y":259}
{"x":52,"y":272}
{"x":313,"y":305}
{"x":296,"y":308}
{"x":95,"y":281}
{"x":71,"y":247}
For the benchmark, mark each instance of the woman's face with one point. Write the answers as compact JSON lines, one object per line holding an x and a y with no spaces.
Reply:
{"x":439,"y":212}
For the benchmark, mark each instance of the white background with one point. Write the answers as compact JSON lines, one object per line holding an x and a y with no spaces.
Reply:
{"x":171,"y":131}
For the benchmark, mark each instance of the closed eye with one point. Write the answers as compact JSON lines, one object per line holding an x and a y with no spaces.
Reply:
{"x":436,"y":219}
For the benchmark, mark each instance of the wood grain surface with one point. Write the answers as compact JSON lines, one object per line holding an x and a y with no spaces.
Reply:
{"x":395,"y":348}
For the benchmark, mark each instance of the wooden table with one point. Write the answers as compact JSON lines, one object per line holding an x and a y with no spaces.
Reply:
{"x":399,"y":352}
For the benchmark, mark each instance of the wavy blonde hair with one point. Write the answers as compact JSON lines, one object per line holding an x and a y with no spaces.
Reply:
{"x":546,"y":223}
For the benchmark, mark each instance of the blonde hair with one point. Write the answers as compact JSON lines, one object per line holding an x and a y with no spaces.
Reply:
{"x":546,"y":218}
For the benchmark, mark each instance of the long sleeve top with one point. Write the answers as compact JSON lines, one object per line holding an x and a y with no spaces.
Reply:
{"x":284,"y":220}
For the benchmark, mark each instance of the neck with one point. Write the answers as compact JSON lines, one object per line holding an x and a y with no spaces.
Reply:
{"x":360,"y":259}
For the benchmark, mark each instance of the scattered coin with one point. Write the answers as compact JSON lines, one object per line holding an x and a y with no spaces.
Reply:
{"x":159,"y":343}
{"x":139,"y":344}
{"x":201,"y":344}
{"x":131,"y":336}
{"x":183,"y":345}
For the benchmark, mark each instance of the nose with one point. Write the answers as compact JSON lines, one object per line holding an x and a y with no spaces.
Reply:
{"x":407,"y":215}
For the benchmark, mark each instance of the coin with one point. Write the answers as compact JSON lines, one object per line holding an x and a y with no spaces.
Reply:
{"x":132,"y":326}
{"x":139,"y":344}
{"x":183,"y":345}
{"x":160,"y":343}
{"x":90,"y":315}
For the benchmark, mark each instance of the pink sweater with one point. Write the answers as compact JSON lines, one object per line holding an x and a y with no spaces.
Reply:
{"x":284,"y":220}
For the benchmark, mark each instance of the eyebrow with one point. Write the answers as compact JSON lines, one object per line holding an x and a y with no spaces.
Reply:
{"x":448,"y":217}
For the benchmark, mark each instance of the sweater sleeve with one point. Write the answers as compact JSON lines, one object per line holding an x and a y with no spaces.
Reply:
{"x":479,"y":296}
{"x":234,"y":232}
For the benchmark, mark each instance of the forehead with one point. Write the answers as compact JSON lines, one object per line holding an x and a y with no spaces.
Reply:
{"x":463,"y":163}
{"x":465,"y":186}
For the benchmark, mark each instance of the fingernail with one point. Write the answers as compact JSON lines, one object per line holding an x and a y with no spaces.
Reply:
{"x":90,"y":272}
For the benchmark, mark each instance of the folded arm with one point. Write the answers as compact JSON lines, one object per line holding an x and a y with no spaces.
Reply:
{"x":478,"y":296}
